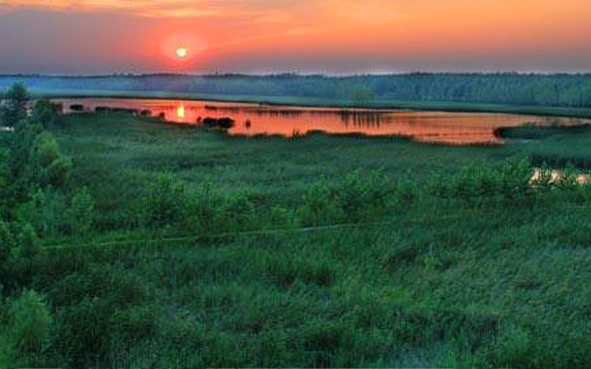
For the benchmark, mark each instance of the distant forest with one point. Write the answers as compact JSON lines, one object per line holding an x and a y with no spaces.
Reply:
{"x":567,"y":90}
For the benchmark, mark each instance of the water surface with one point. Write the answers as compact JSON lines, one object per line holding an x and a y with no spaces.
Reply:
{"x":258,"y":119}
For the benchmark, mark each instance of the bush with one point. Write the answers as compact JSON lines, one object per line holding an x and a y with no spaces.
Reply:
{"x":47,"y":166}
{"x":21,"y":171}
{"x":46,"y":149}
{"x":6,"y":242}
{"x":513,"y":348}
{"x":46,"y":112}
{"x":318,"y":206}
{"x":203,"y":209}
{"x":358,"y":198}
{"x":362,"y":198}
{"x":167,"y":202}
{"x":57,"y":174}
{"x":29,"y":242}
{"x":236,"y":213}
{"x":515,"y":179}
{"x":511,"y":180}
{"x":14,"y":109}
{"x":46,"y":212}
{"x":100,"y":304}
{"x":30,"y":323}
{"x":80,"y":215}
{"x":4,"y":183}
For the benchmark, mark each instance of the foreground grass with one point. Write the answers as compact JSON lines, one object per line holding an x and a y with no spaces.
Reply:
{"x":459,"y":288}
{"x":446,"y":282}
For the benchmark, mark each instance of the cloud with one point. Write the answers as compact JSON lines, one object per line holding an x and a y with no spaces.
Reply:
{"x":262,"y":11}
{"x":146,"y":8}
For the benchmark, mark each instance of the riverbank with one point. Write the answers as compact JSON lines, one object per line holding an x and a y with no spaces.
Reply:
{"x":377,"y":103}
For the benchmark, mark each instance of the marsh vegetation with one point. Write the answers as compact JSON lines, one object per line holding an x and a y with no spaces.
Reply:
{"x":128,"y":242}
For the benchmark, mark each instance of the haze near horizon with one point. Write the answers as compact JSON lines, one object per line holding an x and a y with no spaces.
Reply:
{"x":262,"y":36}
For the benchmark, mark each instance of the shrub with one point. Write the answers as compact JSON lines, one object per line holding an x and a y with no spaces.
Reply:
{"x":4,"y":183}
{"x":21,"y":170}
{"x":30,"y":323}
{"x":29,"y":242}
{"x":57,"y":173}
{"x":203,"y":209}
{"x":585,"y":190}
{"x":406,"y":191}
{"x":167,"y":202}
{"x":14,"y":109}
{"x":479,"y":181}
{"x":45,"y":212}
{"x":236,"y":213}
{"x":438,"y":183}
{"x":81,"y":213}
{"x":100,"y":304}
{"x":514,"y":348}
{"x":46,"y":112}
{"x":46,"y":149}
{"x":47,"y":166}
{"x":318,"y":206}
{"x":514,"y":178}
{"x":363,"y":197}
{"x":358,"y":198}
{"x":6,"y":242}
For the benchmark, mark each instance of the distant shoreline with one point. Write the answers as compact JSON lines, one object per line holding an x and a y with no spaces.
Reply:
{"x":377,"y":103}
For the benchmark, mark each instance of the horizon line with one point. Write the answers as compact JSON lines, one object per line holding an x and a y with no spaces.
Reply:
{"x":293,"y":74}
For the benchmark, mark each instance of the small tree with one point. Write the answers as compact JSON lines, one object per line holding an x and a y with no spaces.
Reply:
{"x":29,"y":242}
{"x":46,"y":149}
{"x":29,"y":328}
{"x":6,"y":242}
{"x":167,"y":202}
{"x":80,"y":215}
{"x":45,"y":112}
{"x":14,"y":107}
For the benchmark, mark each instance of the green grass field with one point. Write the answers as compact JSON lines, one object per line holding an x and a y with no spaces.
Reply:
{"x":312,"y":259}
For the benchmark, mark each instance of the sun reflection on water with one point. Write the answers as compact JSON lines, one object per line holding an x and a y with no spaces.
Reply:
{"x":180,"y":112}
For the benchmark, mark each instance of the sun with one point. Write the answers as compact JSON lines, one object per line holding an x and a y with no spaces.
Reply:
{"x":182,"y":52}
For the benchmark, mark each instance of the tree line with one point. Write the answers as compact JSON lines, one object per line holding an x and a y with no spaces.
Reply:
{"x":566,"y":90}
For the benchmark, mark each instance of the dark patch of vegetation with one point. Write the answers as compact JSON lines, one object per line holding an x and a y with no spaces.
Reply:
{"x":532,"y":132}
{"x":223,"y":123}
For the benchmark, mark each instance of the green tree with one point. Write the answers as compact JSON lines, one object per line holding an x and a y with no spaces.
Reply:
{"x":18,"y":163}
{"x":29,"y":242}
{"x":80,"y":215}
{"x":45,"y":112}
{"x":6,"y":242}
{"x":30,"y":322}
{"x":14,"y":107}
{"x":167,"y":202}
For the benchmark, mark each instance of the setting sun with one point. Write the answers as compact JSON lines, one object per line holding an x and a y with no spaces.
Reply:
{"x":182,"y":52}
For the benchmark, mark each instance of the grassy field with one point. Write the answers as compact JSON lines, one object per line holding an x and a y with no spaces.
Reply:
{"x":323,"y":251}
{"x":124,"y":153}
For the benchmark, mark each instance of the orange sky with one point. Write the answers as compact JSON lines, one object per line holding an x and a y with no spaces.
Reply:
{"x":99,"y":36}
